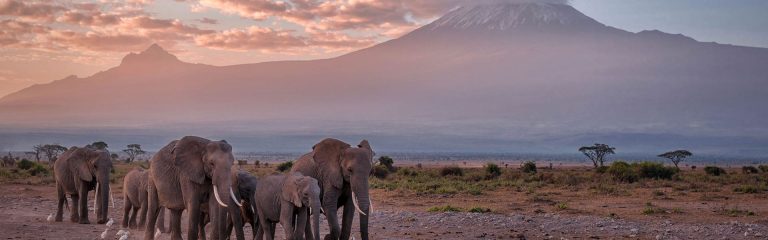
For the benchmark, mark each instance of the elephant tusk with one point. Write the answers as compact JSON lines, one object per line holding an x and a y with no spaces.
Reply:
{"x":354,"y":201}
{"x":370,"y":206}
{"x":112,"y":198}
{"x":95,"y":196}
{"x":216,"y":194}
{"x":234,"y":198}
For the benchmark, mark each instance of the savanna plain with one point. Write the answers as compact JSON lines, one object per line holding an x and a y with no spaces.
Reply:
{"x":476,"y":201}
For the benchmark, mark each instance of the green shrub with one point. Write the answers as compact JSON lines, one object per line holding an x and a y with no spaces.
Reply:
{"x":479,"y":210}
{"x":748,"y":189}
{"x":25,"y":164}
{"x":387,"y":162}
{"x":714,"y":171}
{"x":528,"y":167}
{"x":763,"y":168}
{"x":655,"y":170}
{"x":38,"y":169}
{"x":749,"y":170}
{"x":285,"y":166}
{"x":446,"y":208}
{"x":380,"y":171}
{"x":452,"y":171}
{"x":492,"y":170}
{"x":562,"y":206}
{"x":623,"y":172}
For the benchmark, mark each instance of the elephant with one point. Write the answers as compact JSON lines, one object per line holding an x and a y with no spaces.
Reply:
{"x":288,"y":199}
{"x":342,"y":172}
{"x":181,"y":175}
{"x":78,"y":171}
{"x":135,"y":195}
{"x":245,"y":184}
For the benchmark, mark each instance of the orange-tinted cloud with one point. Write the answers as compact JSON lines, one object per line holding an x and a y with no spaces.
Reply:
{"x":29,"y":10}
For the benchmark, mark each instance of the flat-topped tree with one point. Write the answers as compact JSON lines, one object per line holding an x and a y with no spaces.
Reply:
{"x":597,"y":153}
{"x":133,"y":151}
{"x":676,"y":156}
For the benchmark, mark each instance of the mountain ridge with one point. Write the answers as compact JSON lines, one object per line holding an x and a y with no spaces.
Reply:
{"x":503,"y":83}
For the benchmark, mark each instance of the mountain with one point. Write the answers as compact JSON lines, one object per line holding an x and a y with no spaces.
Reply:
{"x":485,"y":77}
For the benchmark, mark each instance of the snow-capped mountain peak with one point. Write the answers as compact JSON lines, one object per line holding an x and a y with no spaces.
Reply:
{"x":514,"y":15}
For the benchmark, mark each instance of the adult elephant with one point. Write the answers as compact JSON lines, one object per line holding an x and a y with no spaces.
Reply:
{"x":342,"y":172}
{"x":78,"y":171}
{"x":135,"y":198}
{"x":181,"y":175}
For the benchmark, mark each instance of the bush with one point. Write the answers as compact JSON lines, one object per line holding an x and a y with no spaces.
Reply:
{"x":601,"y":169}
{"x":25,"y":164}
{"x":446,"y":208}
{"x":714,"y":171}
{"x":285,"y":166}
{"x":387,"y":162}
{"x":479,"y":210}
{"x":623,"y":172}
{"x":528,"y":167}
{"x":38,"y":169}
{"x":492,"y":170}
{"x":749,"y":170}
{"x":763,"y":168}
{"x":380,"y":171}
{"x":655,"y":170}
{"x":451,"y":170}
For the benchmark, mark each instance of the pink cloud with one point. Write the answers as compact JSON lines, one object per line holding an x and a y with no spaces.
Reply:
{"x":252,"y":38}
{"x":30,"y":11}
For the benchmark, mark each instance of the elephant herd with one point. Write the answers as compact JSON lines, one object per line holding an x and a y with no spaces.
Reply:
{"x":196,"y":175}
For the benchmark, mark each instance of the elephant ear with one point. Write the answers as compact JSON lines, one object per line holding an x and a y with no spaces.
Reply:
{"x":188,"y":156}
{"x":79,"y":163}
{"x":291,"y":190}
{"x":365,"y":145}
{"x":327,"y":155}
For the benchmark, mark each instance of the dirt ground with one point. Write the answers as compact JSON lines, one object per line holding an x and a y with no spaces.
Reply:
{"x":550,"y":214}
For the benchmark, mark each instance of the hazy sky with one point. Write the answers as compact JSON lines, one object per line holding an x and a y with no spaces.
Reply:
{"x":47,"y":40}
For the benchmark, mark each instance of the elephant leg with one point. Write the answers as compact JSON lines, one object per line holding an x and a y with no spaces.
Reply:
{"x":347,"y":217}
{"x":74,"y":216}
{"x":153,"y":208}
{"x":228,"y":230}
{"x":237,"y":221}
{"x":62,"y":200}
{"x":161,"y":221}
{"x":126,"y":212}
{"x":135,"y":211}
{"x":272,"y":227}
{"x":142,"y":213}
{"x":265,"y":228}
{"x":84,"y":205}
{"x":193,"y":208}
{"x":286,"y":219}
{"x":331,"y":211}
{"x":301,"y":224}
{"x":176,"y":225}
{"x":201,"y":231}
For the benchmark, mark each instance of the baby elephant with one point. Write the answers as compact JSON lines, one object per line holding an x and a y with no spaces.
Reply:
{"x":288,"y":199}
{"x":135,"y":196}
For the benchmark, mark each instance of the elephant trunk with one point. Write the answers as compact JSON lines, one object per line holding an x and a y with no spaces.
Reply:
{"x":361,"y":200}
{"x":102,"y":198}
{"x":222,"y":190}
{"x":316,"y":211}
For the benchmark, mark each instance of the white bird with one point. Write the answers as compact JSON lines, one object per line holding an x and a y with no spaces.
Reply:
{"x":121,"y":232}
{"x":124,"y":237}
{"x":104,"y":234}
{"x":110,"y":222}
{"x":157,"y":233}
{"x":50,"y":217}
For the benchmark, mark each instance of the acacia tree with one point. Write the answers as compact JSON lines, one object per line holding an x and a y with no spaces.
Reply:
{"x":100,"y":145}
{"x":52,"y":151}
{"x":133,"y":150}
{"x":37,"y":150}
{"x":597,"y":153}
{"x":676,"y":156}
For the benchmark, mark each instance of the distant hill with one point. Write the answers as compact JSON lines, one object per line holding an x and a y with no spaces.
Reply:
{"x":486,"y":76}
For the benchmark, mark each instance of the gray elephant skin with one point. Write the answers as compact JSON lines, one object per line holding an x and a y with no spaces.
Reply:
{"x":287,"y":199}
{"x":342,"y":172}
{"x":78,"y":171}
{"x":181,"y":175}
{"x":245,"y":188}
{"x":135,"y":196}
